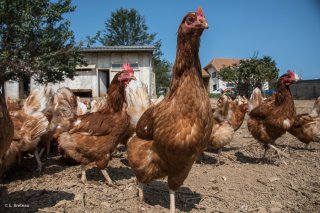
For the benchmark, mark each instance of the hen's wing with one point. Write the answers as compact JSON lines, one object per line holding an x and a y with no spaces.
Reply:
{"x":96,"y":123}
{"x":145,"y":126}
{"x":263,"y":110}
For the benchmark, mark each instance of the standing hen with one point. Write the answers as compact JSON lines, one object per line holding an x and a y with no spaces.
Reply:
{"x":171,"y":135}
{"x":95,"y":136}
{"x":6,"y":133}
{"x":307,"y":126}
{"x":30,"y":124}
{"x":274,"y":116}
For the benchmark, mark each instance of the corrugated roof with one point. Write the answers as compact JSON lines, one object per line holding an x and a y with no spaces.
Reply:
{"x":219,"y":63}
{"x":118,"y":48}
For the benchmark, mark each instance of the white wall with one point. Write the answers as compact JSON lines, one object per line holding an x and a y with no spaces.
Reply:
{"x":89,"y":80}
{"x":12,"y":89}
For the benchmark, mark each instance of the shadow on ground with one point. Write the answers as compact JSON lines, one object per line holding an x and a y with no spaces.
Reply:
{"x":32,"y":201}
{"x":157,"y":193}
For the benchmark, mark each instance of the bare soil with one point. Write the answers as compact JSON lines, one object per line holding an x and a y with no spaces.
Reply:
{"x":241,"y":184}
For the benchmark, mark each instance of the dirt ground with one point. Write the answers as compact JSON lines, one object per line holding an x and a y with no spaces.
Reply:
{"x":240,"y":184}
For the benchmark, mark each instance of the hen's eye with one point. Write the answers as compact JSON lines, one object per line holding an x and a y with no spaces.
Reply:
{"x":190,"y":20}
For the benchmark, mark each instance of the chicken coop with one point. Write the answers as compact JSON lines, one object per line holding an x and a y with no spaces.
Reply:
{"x":94,"y":79}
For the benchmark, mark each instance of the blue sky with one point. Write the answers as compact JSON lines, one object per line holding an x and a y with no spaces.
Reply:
{"x":286,"y":30}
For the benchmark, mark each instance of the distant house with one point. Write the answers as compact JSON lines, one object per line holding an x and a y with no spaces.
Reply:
{"x":103,"y":63}
{"x":215,"y":84}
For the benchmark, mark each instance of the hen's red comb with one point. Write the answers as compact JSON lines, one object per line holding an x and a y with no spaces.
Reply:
{"x":290,"y":72}
{"x":128,"y":68}
{"x":200,"y":11}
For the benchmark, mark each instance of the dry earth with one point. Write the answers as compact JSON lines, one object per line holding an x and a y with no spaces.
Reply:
{"x":241,"y":184}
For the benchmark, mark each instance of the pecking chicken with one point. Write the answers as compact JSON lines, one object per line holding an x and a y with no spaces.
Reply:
{"x":94,"y":136}
{"x":171,"y":135}
{"x":307,"y":126}
{"x":30,"y":124}
{"x":239,"y":108}
{"x":227,"y":119}
{"x":7,"y":129}
{"x":275,"y":115}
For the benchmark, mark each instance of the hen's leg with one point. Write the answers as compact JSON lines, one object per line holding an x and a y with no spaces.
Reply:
{"x":140,"y":191}
{"x":278,"y":151}
{"x":172,"y":201}
{"x":106,"y":176}
{"x":48,"y":148}
{"x":266,"y":147}
{"x":39,"y":169}
{"x":41,"y":152}
{"x":219,"y":155}
{"x":83,"y":174}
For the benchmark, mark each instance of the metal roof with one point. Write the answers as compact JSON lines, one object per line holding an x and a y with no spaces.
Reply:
{"x":118,"y":49}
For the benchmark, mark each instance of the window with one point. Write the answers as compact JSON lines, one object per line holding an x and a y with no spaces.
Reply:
{"x":214,"y":74}
{"x":214,"y":87}
{"x":83,"y":72}
{"x":118,"y":66}
{"x":228,"y":84}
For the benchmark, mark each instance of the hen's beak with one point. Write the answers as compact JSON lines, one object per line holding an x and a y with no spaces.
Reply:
{"x":204,"y":23}
{"x":132,"y":78}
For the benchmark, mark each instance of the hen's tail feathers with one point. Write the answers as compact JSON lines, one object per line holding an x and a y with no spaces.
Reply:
{"x":65,"y":102}
{"x":81,"y":107}
{"x":97,"y":105}
{"x":138,"y":101}
{"x":316,"y":108}
{"x":39,"y":100}
{"x":34,"y":127}
{"x":255,"y":99}
{"x":222,"y":113}
{"x":158,"y":100}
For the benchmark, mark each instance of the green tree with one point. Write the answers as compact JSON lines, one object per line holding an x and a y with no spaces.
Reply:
{"x":250,"y":73}
{"x":128,"y":27}
{"x":35,"y":41}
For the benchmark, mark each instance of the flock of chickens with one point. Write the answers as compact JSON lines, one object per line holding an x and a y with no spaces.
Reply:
{"x":163,"y":138}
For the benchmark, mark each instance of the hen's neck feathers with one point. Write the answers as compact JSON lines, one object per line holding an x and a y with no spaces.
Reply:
{"x":187,"y":62}
{"x":283,"y":93}
{"x":116,"y":96}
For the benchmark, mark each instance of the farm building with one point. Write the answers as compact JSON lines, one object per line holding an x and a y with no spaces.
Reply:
{"x":215,"y":84}
{"x":103,"y":63}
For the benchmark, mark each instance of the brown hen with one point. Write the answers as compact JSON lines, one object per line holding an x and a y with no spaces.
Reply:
{"x":171,"y":135}
{"x":307,"y":126}
{"x":274,"y":116}
{"x":95,"y":136}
